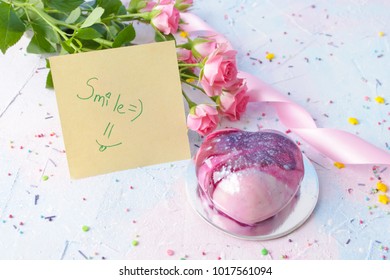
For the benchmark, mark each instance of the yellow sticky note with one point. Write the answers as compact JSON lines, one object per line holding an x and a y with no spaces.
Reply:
{"x":120,"y":108}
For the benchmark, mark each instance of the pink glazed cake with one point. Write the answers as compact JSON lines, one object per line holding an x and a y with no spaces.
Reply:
{"x":248,"y":177}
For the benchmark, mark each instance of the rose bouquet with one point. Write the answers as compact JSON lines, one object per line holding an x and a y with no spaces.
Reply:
{"x":75,"y":26}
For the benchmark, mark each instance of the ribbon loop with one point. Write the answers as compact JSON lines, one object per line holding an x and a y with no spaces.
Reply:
{"x":335,"y":144}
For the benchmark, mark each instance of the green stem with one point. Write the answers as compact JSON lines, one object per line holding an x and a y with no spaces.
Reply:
{"x":16,"y":3}
{"x":189,"y":76}
{"x":70,"y":26}
{"x":159,"y":33}
{"x":197,"y":87}
{"x":26,"y":12}
{"x":189,"y":101}
{"x":191,"y":65}
{"x":49,"y":20}
{"x":186,"y":46}
{"x":104,"y":42}
{"x":129,"y":16}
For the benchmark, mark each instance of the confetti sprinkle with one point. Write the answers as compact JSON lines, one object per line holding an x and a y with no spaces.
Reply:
{"x":49,"y":218}
{"x":382,"y":198}
{"x":379,"y":99}
{"x":170,"y":252}
{"x":135,"y":242}
{"x":85,"y":228}
{"x":270,"y":56}
{"x":36,"y":198}
{"x":381,"y":34}
{"x":353,"y":121}
{"x":264,"y":252}
{"x":81,"y":253}
{"x":183,"y":34}
{"x":381,"y":187}
{"x":339,"y":165}
{"x":45,"y":178}
{"x":190,"y":80}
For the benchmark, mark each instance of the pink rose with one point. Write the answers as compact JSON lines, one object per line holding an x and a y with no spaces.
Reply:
{"x":183,"y":5}
{"x":185,"y":2}
{"x":220,"y":71}
{"x":233,"y":104}
{"x":185,"y":56}
{"x":149,"y":6}
{"x":167,"y":21}
{"x":202,"y":119}
{"x":166,"y":2}
{"x":205,"y":48}
{"x":236,"y":85}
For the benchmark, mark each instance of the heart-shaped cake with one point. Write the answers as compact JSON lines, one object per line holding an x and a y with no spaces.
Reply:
{"x":248,"y":176}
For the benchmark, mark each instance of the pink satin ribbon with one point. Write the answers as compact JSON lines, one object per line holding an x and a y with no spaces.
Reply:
{"x":335,"y":144}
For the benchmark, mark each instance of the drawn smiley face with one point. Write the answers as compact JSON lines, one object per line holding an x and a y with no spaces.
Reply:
{"x":107,"y":131}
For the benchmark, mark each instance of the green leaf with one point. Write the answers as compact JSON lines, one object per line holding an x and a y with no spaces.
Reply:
{"x":49,"y":80}
{"x":90,"y":44}
{"x":93,"y":17}
{"x":11,"y":27}
{"x":109,"y":6}
{"x":66,"y":48}
{"x":122,"y":10}
{"x":42,"y":28}
{"x":88,"y":5}
{"x":136,"y":5}
{"x":73,"y":16}
{"x":112,"y":32}
{"x":39,"y":45}
{"x":159,"y":37}
{"x":88,"y":34}
{"x":63,"y":6}
{"x":124,"y":36}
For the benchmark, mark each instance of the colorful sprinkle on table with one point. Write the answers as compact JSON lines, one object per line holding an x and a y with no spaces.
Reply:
{"x":264,"y":252}
{"x":270,"y":56}
{"x":381,"y":187}
{"x":382,"y":198}
{"x":45,"y":178}
{"x":183,"y":34}
{"x":379,"y":99}
{"x":353,"y":121}
{"x":135,"y":242}
{"x":339,"y":165}
{"x":85,"y":228}
{"x":170,"y":252}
